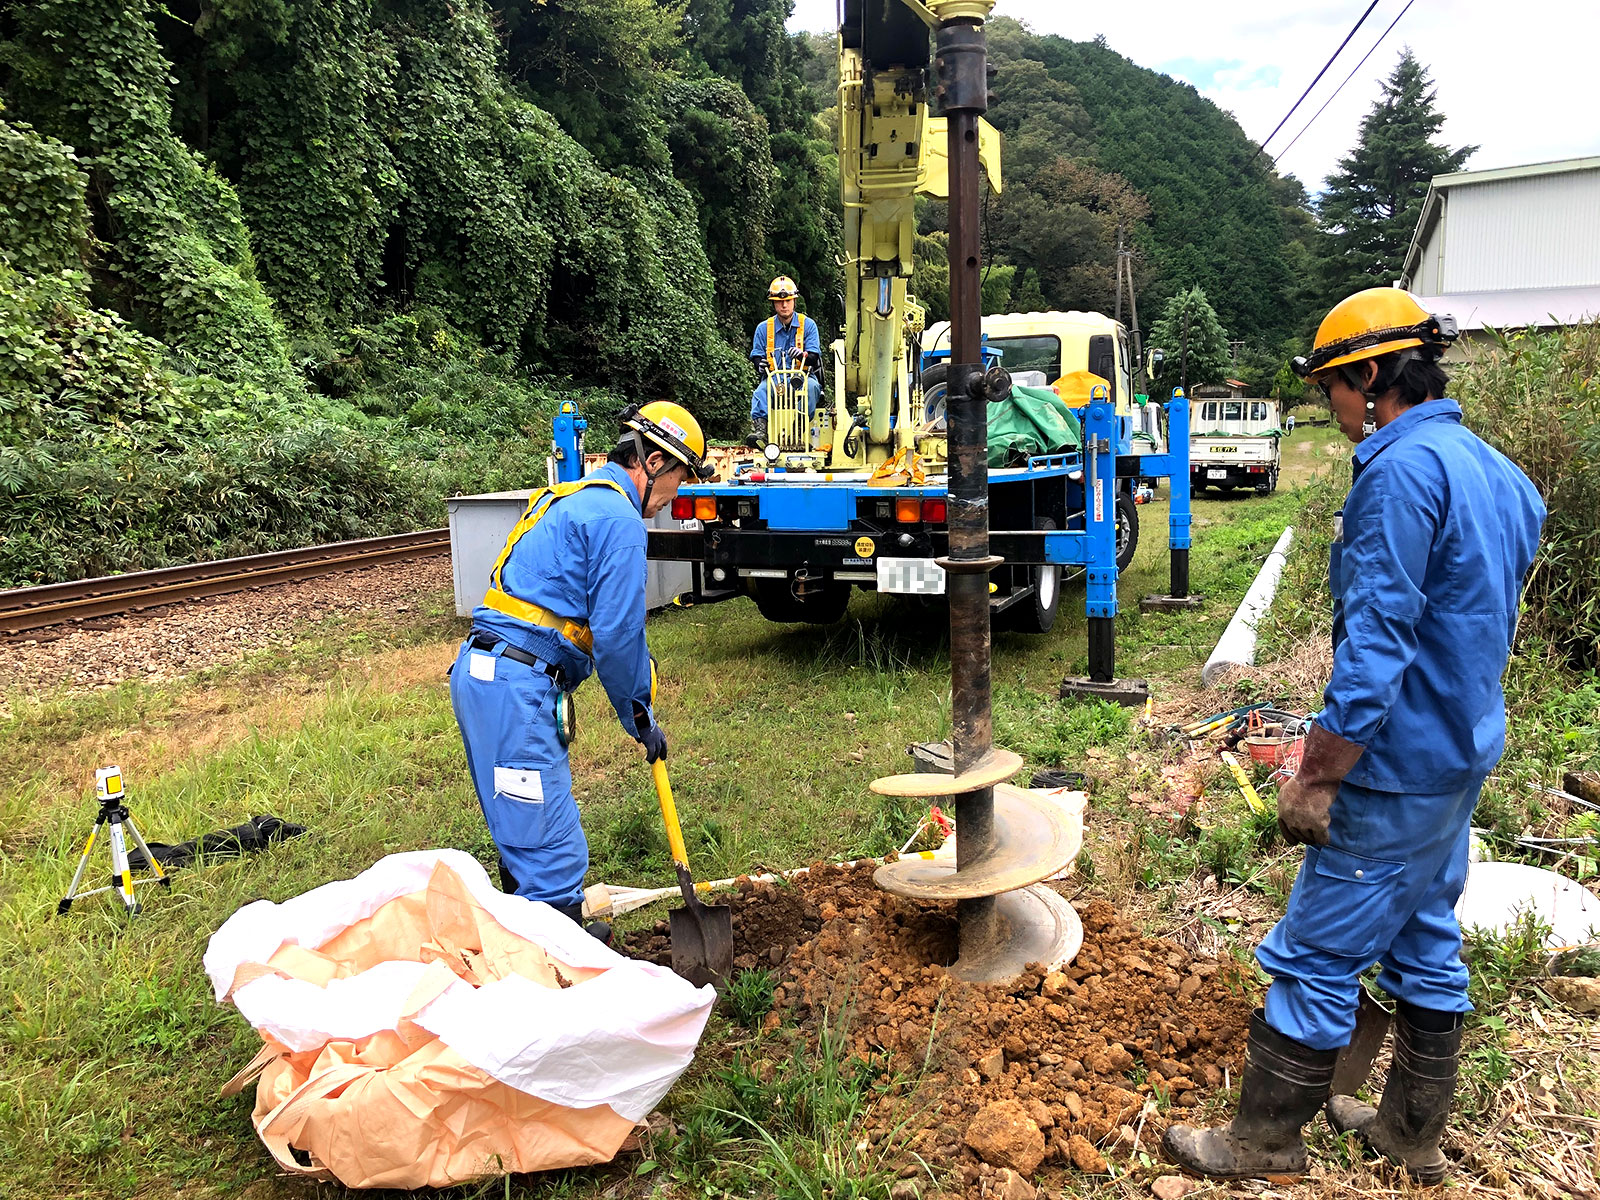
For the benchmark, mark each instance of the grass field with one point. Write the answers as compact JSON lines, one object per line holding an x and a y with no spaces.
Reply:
{"x":112,"y":1050}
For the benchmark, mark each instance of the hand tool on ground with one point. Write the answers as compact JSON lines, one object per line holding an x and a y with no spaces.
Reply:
{"x":702,"y":934}
{"x":1257,"y":804}
{"x":1354,"y":1064}
{"x":620,"y":900}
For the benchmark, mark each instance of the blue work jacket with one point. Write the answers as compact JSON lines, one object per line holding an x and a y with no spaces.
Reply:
{"x":784,"y":352}
{"x":1426,"y":570}
{"x":585,"y":559}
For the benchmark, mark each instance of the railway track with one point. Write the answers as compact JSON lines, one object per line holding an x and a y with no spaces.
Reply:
{"x":24,"y":609}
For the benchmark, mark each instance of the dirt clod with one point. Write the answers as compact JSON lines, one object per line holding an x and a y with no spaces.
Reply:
{"x":1084,"y":1156}
{"x":1171,"y":1187}
{"x":1006,"y":1184}
{"x":1004,"y":1135}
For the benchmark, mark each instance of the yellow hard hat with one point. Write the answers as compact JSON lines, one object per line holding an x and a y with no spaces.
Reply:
{"x":672,"y":429}
{"x":1374,"y":322}
{"x":782,"y":288}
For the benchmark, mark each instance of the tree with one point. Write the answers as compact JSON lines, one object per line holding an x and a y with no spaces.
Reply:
{"x":1193,"y":338}
{"x":1373,"y":201}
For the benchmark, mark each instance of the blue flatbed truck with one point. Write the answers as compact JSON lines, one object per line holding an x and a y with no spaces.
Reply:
{"x":798,"y":542}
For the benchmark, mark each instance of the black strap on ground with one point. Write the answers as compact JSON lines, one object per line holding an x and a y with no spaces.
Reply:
{"x":254,"y":835}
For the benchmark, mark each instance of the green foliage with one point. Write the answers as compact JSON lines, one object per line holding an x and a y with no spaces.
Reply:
{"x":1195,"y":342}
{"x":722,"y":156}
{"x":1373,"y":201}
{"x":178,"y":260}
{"x":1536,"y":397}
{"x":1216,"y":219}
{"x":749,"y":997}
{"x":44,"y":221}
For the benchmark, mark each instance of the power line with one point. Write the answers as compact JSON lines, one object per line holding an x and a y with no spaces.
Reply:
{"x":1279,"y":155}
{"x":1314,"y":82}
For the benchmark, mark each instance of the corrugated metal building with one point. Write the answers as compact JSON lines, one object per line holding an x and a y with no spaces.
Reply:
{"x":1510,"y":248}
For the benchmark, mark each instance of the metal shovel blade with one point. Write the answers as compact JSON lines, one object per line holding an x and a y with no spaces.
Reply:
{"x":702,"y":937}
{"x":1354,"y":1063}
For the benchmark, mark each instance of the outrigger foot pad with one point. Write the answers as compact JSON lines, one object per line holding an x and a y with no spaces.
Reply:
{"x":1130,"y":693}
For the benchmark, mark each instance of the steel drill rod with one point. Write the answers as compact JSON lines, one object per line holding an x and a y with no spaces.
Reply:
{"x":972,"y":720}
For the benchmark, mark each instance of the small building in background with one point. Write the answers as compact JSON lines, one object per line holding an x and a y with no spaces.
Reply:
{"x":1514,"y":248}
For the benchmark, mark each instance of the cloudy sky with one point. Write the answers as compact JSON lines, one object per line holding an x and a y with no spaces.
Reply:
{"x":1518,"y":80}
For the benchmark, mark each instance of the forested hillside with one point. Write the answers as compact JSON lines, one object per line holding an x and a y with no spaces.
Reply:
{"x":274,"y":271}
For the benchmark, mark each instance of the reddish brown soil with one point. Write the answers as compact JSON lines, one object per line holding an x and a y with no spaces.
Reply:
{"x":1129,"y":1020}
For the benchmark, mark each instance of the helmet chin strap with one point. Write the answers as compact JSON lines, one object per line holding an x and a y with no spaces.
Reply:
{"x":1370,"y":425}
{"x":650,"y":476}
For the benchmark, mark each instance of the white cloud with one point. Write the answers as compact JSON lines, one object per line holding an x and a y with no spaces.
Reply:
{"x":1518,"y":81}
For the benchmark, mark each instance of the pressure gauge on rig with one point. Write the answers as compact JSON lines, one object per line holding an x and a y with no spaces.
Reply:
{"x":771,"y":453}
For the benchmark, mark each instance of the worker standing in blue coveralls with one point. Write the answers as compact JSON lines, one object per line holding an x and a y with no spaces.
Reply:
{"x":1426,"y":569}
{"x":785,"y":340}
{"x":566,"y":599}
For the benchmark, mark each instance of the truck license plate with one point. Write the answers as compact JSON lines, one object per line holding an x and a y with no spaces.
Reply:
{"x":1216,"y":474}
{"x":910,"y":576}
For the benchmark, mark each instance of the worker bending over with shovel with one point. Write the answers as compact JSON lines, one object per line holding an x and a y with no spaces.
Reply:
{"x":566,"y":599}
{"x":1426,"y":569}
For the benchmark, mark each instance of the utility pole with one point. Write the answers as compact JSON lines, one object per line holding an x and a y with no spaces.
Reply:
{"x":1119,"y":274}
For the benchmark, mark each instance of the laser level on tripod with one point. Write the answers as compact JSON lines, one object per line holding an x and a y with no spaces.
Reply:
{"x":113,"y":816}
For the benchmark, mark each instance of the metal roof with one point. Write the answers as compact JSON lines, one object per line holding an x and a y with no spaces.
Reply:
{"x":1433,"y":202}
{"x":1518,"y":309}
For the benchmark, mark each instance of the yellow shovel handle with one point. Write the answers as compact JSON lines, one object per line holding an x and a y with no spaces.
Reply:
{"x":669,"y":812}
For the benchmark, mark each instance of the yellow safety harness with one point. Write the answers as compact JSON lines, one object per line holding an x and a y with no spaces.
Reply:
{"x":772,"y":338}
{"x":497,"y":598}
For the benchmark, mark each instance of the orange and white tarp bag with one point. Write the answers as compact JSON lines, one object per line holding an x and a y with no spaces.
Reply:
{"x":422,"y":1028}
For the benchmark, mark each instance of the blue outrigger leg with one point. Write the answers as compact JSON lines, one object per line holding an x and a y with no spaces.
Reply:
{"x":1175,"y":465}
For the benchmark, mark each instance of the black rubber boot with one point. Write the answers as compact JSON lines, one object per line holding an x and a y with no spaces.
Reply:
{"x":1285,"y":1083}
{"x":1406,"y":1125}
{"x":508,"y":881}
{"x":599,"y":930}
{"x":758,"y":433}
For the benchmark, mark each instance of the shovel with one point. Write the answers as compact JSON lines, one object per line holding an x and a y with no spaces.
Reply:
{"x":702,"y":934}
{"x":1351,"y":1068}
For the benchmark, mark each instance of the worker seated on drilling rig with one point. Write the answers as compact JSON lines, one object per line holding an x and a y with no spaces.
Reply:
{"x":787,"y":353}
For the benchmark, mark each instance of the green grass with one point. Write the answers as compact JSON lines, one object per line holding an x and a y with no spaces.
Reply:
{"x":112,"y":1049}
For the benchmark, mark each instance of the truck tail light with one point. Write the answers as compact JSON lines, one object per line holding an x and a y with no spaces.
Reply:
{"x":933,"y":511}
{"x":683,"y":508}
{"x":907,"y":509}
{"x":705,"y":508}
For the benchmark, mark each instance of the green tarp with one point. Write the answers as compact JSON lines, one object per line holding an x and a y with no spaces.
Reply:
{"x":1033,"y":421}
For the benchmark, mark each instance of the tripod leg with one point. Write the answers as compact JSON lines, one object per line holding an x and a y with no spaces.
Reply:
{"x":138,"y":840}
{"x":119,"y":864}
{"x":83,"y":865}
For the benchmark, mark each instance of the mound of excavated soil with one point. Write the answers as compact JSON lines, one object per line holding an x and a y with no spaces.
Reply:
{"x":1073,"y":1055}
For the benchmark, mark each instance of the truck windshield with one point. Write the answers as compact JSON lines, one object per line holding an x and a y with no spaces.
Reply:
{"x":1040,"y":353}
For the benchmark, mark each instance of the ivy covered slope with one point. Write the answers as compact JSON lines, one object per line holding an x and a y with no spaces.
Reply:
{"x":294,"y":270}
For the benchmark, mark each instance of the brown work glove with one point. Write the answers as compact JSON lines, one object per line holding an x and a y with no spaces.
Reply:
{"x":1306,"y":801}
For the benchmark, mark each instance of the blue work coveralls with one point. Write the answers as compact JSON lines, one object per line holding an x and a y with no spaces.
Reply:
{"x":584,"y":560}
{"x":1426,"y":570}
{"x":773,"y":346}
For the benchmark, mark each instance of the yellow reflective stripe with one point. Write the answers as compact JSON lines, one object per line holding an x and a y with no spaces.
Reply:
{"x":772,"y":343}
{"x":497,"y":598}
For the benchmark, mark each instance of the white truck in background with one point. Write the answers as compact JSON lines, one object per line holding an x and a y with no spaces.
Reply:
{"x":1235,"y":443}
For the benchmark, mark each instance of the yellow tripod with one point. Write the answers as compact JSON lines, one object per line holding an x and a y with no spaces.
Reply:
{"x":113,"y":816}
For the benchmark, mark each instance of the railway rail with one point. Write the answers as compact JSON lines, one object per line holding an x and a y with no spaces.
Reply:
{"x":24,"y":609}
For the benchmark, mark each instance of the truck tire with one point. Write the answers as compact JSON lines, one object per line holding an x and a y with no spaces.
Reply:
{"x":1127,"y":530}
{"x":934,"y":386}
{"x":779,"y":604}
{"x":1271,"y":485}
{"x":1036,"y":613}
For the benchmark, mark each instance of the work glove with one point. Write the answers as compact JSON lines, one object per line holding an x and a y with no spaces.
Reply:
{"x":649,"y":734}
{"x":1305,"y":803}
